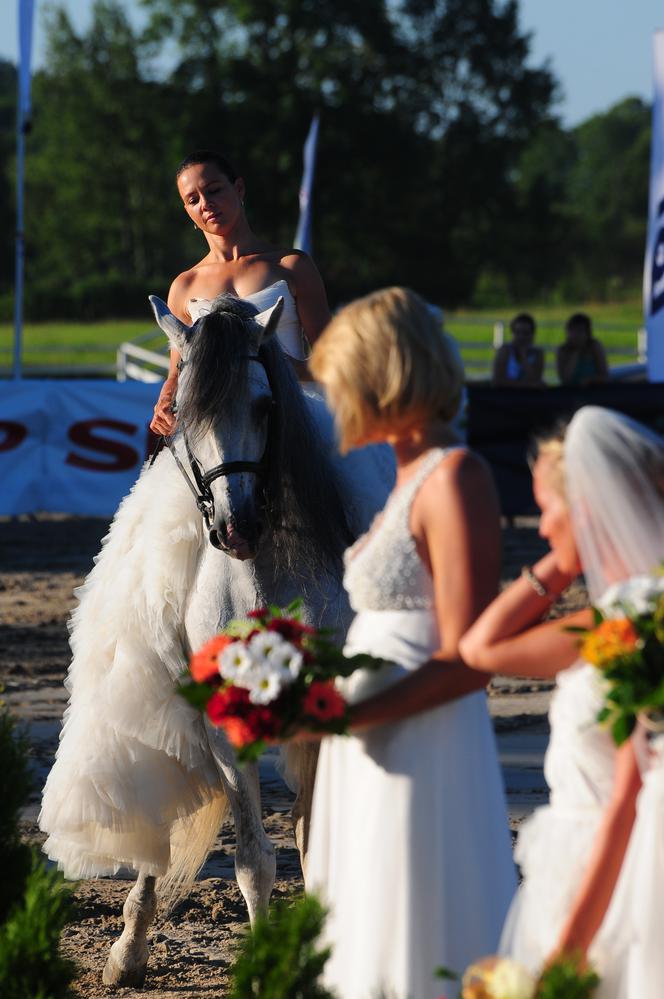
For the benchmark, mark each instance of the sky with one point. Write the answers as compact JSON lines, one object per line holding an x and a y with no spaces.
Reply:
{"x":600,"y":50}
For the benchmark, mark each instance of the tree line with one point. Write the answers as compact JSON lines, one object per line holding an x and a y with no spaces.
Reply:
{"x":442,"y":161}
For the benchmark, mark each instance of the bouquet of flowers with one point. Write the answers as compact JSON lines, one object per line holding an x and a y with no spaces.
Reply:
{"x":627,"y":646}
{"x":503,"y":978}
{"x":264,"y":677}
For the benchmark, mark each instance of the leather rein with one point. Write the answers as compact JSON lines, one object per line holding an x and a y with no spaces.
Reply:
{"x":201,"y":481}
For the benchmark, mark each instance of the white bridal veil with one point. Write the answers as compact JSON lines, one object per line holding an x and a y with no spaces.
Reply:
{"x":614,"y":470}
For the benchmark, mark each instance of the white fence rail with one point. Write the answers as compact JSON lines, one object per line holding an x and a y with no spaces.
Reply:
{"x":145,"y":358}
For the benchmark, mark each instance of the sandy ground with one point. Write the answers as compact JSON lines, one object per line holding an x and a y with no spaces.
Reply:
{"x":41,"y":562}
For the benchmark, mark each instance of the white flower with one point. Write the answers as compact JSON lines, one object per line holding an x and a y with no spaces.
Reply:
{"x":266,"y":684}
{"x":287,"y":657}
{"x":634,"y":596}
{"x":510,"y":980}
{"x":235,"y":662}
{"x":264,"y":644}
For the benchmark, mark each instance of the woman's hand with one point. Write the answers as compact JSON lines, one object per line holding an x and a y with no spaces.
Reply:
{"x":163,"y":422}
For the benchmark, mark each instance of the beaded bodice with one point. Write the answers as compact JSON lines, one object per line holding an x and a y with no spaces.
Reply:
{"x":383,"y":570}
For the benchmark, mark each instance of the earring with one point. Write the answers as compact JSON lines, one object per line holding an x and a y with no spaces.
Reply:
{"x":194,"y":225}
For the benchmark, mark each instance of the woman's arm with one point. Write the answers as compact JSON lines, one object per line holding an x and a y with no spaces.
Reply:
{"x":310,"y":295}
{"x":596,"y":888}
{"x":510,"y":638}
{"x":533,"y":366}
{"x":164,"y":421}
{"x":566,"y":361}
{"x":455,"y":522}
{"x":599,"y":357}
{"x":499,"y":374}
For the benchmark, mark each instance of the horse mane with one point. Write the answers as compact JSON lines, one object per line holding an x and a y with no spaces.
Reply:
{"x":303,"y":509}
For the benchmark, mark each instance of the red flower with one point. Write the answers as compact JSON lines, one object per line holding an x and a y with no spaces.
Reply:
{"x":259,"y":612}
{"x":323,"y":702}
{"x":290,"y":628}
{"x":204,"y":664}
{"x":238,"y":731}
{"x":227,"y":702}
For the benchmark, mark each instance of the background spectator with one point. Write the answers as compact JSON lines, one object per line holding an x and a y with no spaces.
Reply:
{"x":519,"y":363}
{"x":581,"y":360}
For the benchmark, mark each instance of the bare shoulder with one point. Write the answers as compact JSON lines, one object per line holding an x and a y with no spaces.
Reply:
{"x":460,"y":486}
{"x":461,"y":469}
{"x":300,"y":266}
{"x":178,"y":294}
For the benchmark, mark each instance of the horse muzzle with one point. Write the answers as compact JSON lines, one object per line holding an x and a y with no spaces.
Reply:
{"x":237,"y":541}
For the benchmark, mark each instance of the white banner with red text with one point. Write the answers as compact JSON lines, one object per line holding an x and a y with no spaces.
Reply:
{"x":72,"y":446}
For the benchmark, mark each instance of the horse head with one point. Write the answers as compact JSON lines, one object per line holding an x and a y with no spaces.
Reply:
{"x":225,"y":406}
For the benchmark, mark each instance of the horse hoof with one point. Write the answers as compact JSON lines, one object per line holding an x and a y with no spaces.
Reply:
{"x":131,"y":976}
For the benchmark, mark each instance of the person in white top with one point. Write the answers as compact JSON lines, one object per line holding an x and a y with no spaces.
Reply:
{"x":409,"y":843}
{"x":600,"y":487}
{"x":238,"y":262}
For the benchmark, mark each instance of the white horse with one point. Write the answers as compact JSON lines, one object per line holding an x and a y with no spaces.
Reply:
{"x":256,"y":510}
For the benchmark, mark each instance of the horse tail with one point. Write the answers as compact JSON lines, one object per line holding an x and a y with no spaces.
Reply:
{"x":192,"y":839}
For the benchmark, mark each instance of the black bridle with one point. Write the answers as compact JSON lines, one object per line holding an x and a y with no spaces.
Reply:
{"x":200,"y":485}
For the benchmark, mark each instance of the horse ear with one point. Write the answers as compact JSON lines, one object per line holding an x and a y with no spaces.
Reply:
{"x":269,"y":320}
{"x":177,"y":332}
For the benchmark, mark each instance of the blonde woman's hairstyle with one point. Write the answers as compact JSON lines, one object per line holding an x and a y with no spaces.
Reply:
{"x":551,"y":446}
{"x":386,"y":365}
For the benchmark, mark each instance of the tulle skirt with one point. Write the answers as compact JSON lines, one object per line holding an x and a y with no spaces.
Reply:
{"x":134,"y":784}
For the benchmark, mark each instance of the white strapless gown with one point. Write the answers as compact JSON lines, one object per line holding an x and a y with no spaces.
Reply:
{"x":134,"y":783}
{"x":555,"y":843}
{"x":409,"y":845}
{"x":632,"y":933}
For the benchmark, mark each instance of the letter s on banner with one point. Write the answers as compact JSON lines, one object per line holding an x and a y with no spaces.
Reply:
{"x":83,"y":433}
{"x":13,"y":434}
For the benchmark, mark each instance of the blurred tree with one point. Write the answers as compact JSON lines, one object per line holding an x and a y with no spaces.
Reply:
{"x":607,"y":195}
{"x":7,"y":187}
{"x":100,"y":208}
{"x":426,"y":107}
{"x":441,"y":162}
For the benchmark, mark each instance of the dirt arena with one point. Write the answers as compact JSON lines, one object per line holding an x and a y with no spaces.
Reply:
{"x":42,"y":561}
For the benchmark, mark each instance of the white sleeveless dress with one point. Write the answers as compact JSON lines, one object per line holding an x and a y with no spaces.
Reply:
{"x":409,"y":845}
{"x":134,"y":783}
{"x":631,"y":943}
{"x":555,"y":843}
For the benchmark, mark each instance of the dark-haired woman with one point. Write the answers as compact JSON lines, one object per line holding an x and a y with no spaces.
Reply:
{"x":239,"y":262}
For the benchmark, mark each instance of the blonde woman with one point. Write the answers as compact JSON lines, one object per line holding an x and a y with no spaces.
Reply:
{"x":599,"y":488}
{"x":409,"y":844}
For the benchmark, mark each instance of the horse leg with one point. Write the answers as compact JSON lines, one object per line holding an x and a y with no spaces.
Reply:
{"x":128,"y":959}
{"x":255,"y":858}
{"x":307,"y":759}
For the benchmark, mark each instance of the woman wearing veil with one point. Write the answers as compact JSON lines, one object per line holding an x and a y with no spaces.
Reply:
{"x":600,"y":488}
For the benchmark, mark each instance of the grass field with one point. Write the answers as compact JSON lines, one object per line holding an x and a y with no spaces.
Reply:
{"x":89,"y":345}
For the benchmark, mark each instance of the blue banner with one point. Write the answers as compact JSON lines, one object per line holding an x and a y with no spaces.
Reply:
{"x":25,"y":19}
{"x":653,"y":275}
{"x":303,"y":235}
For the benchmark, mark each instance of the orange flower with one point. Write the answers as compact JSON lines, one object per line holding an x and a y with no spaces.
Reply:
{"x":204,"y":664}
{"x":323,"y":702}
{"x":609,"y":640}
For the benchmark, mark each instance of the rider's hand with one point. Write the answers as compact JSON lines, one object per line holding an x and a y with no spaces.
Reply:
{"x":163,"y":421}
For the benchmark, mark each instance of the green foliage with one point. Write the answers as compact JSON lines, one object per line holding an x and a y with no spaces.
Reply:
{"x":15,"y":785}
{"x":565,"y":980}
{"x":31,"y":966}
{"x":280,"y":957}
{"x":441,"y":162}
{"x":34,"y":904}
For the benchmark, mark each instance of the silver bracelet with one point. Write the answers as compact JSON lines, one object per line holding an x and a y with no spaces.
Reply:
{"x":537,"y":584}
